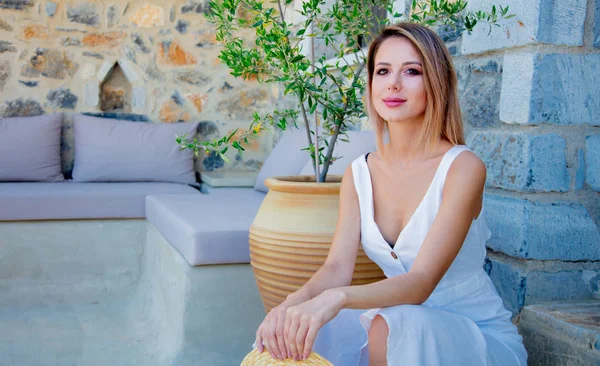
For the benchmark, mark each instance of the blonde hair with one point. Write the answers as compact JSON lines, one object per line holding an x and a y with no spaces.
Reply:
{"x":443,"y":117}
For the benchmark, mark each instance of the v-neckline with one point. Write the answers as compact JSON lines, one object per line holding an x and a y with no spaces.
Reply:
{"x":411,"y":219}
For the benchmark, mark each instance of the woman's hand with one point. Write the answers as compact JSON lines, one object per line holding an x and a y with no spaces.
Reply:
{"x":303,"y":321}
{"x":270,"y":333}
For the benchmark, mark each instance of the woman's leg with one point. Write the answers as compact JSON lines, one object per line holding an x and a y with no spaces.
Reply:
{"x":378,"y":335}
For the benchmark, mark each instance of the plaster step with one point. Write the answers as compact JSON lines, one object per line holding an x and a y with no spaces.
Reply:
{"x":565,"y":334}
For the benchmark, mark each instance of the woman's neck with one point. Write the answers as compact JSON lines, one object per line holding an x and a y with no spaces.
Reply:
{"x":403,"y":145}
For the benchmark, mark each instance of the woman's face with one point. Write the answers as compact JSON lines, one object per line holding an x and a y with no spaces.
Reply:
{"x":398,"y":89}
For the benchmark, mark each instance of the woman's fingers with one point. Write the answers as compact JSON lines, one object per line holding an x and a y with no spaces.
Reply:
{"x":280,"y":336}
{"x":258,"y":341}
{"x":286,"y":329}
{"x":311,"y":335}
{"x":271,"y":337}
{"x":290,"y":334}
{"x":301,"y":336}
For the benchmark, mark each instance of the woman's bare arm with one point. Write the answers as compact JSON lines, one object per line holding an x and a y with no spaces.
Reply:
{"x":339,"y":266}
{"x":463,"y":192}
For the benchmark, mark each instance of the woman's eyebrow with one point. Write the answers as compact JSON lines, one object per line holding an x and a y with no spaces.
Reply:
{"x":404,"y":64}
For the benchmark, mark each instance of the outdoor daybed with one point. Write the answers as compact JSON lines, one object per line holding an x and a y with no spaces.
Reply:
{"x":97,"y":272}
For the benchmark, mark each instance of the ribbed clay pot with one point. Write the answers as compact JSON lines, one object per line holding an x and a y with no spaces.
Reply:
{"x":291,"y":235}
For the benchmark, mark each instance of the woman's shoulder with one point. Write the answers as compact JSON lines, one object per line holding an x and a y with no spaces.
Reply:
{"x":467,"y":161}
{"x":467,"y":170}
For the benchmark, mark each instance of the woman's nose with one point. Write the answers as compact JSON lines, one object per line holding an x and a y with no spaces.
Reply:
{"x":395,"y":84}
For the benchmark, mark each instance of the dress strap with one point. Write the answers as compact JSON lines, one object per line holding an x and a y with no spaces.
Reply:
{"x":360,"y":184}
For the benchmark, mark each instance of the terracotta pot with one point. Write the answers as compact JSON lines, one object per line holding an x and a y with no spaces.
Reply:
{"x":291,"y":235}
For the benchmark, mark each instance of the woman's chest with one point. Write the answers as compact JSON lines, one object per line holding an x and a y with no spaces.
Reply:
{"x":397,"y":199}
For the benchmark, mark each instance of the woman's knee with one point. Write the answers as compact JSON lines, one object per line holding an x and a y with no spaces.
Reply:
{"x":378,"y":335}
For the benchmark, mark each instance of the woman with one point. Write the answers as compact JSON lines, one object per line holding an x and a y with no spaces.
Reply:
{"x":419,"y":202}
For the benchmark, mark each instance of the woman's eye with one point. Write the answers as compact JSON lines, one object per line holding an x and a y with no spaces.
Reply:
{"x":413,"y":72}
{"x":381,"y":71}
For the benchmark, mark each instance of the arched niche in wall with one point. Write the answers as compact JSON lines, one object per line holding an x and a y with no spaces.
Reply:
{"x":116,"y":91}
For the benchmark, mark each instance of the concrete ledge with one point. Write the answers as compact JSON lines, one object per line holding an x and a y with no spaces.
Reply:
{"x":562,"y":333}
{"x":113,"y":292}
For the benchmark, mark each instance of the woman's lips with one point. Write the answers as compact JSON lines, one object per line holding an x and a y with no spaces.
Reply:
{"x":393,"y":102}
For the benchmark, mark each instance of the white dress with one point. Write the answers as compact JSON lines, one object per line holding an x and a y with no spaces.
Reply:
{"x":464,"y":321}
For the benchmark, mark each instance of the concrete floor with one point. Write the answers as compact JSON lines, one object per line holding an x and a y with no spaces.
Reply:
{"x":113,"y":292}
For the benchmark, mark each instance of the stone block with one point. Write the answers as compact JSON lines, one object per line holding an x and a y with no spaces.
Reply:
{"x":562,"y":333}
{"x":110,"y":39}
{"x":128,"y":69}
{"x":543,"y":231}
{"x":111,"y":16}
{"x":92,"y":94}
{"x":193,"y":78}
{"x":39,"y":31}
{"x":139,"y":95}
{"x":177,"y":98}
{"x":104,"y":70}
{"x":198,"y":7}
{"x":88,"y":71}
{"x":16,"y":4}
{"x":51,"y":8}
{"x":592,"y":177}
{"x":522,"y":162}
{"x":29,"y":84}
{"x":50,"y":63}
{"x":70,"y":42}
{"x":148,"y":16}
{"x":554,"y":88}
{"x":21,"y":108}
{"x":559,"y":22}
{"x":129,"y":52}
{"x":244,"y":104}
{"x":182,"y":26}
{"x":153,"y":72}
{"x":479,"y":83}
{"x":6,"y":46}
{"x":95,"y":55}
{"x":170,"y":112}
{"x":86,"y":13}
{"x":199,"y":101}
{"x":139,"y":43}
{"x":524,"y":282}
{"x":61,"y":98}
{"x":173,"y":53}
{"x":5,"y":26}
{"x":5,"y":72}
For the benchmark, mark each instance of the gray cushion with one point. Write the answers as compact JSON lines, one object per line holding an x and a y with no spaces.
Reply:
{"x":287,"y":158}
{"x":30,"y":148}
{"x":109,"y":150}
{"x":361,"y":142}
{"x":71,"y":200}
{"x":209,"y":228}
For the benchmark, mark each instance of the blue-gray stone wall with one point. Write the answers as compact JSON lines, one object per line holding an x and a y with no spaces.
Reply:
{"x":530,"y":95}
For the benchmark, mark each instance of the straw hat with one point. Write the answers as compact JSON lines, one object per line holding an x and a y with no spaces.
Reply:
{"x":264,"y":359}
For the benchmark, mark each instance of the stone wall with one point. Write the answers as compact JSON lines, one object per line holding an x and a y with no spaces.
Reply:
{"x":530,"y":94}
{"x":153,"y":60}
